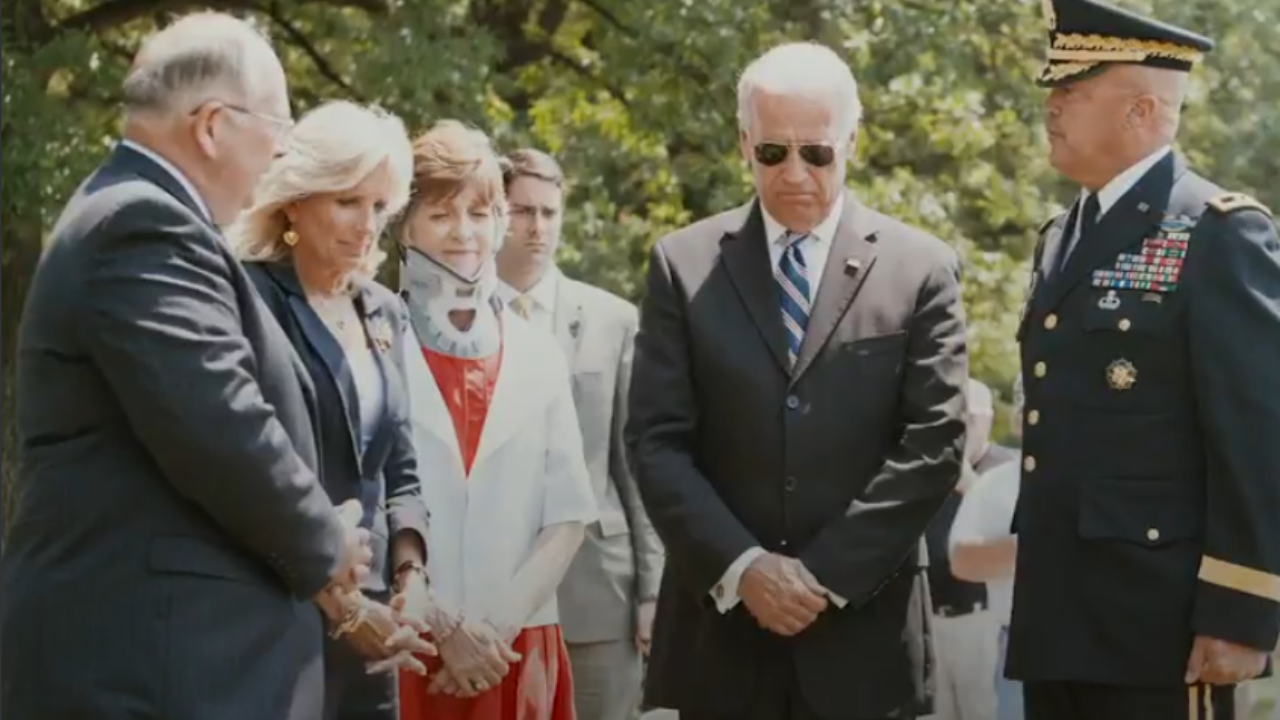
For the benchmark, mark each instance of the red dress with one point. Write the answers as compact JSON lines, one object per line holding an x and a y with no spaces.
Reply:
{"x":539,"y":685}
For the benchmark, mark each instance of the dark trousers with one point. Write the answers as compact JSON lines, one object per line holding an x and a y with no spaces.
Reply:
{"x":350,"y":693}
{"x":1086,"y":701}
{"x":777,"y":701}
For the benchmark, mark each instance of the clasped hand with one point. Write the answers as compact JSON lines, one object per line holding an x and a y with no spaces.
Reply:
{"x":384,"y":634}
{"x":781,"y":593}
{"x":476,"y":657}
{"x":1218,"y":662}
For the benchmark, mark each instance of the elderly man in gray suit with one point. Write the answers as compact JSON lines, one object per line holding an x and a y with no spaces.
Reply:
{"x":607,"y":598}
{"x":170,"y":542}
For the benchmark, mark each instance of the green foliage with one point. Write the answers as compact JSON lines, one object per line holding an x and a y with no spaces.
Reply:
{"x":637,"y":99}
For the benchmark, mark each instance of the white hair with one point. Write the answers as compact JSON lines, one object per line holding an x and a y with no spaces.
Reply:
{"x":193,"y":59}
{"x":804,"y":69}
{"x":331,"y":149}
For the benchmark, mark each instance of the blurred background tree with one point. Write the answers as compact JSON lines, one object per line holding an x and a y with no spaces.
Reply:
{"x":637,"y":100}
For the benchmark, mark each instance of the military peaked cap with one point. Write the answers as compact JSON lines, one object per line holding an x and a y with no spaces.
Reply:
{"x":1086,"y":36}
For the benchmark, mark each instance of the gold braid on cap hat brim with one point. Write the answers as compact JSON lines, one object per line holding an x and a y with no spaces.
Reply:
{"x":1058,"y":71}
{"x":1074,"y":47}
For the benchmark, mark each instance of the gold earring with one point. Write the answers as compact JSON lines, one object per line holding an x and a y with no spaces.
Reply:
{"x":290,"y":237}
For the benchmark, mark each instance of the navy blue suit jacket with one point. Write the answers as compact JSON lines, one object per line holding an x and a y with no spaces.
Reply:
{"x":385,"y":476}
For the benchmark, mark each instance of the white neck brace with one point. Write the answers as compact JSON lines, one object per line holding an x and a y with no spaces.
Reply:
{"x":434,"y":290}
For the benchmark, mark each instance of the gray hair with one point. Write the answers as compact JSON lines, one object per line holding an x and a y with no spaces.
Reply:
{"x":195,"y":57}
{"x":1019,"y":395}
{"x":805,"y":69}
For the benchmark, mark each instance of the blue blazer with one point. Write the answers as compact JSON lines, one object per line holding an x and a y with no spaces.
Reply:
{"x":385,"y":477}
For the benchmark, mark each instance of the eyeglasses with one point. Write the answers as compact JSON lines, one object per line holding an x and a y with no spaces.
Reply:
{"x":279,"y":126}
{"x":815,"y":154}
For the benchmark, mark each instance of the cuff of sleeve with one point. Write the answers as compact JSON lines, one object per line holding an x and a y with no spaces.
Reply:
{"x":836,"y":600}
{"x":1237,"y":604}
{"x":648,"y":585}
{"x":725,"y":592}
{"x":307,"y":582}
{"x":413,"y":519}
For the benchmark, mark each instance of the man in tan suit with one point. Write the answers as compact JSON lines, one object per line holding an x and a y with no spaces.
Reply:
{"x":607,"y":598}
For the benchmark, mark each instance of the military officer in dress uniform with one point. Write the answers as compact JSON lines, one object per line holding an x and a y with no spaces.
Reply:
{"x":1148,"y":570}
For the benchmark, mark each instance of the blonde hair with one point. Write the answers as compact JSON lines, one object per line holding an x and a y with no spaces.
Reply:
{"x":331,"y":149}
{"x":449,"y":159}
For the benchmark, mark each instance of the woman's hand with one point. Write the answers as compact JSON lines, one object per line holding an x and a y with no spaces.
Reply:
{"x":477,"y":657}
{"x":382,"y":634}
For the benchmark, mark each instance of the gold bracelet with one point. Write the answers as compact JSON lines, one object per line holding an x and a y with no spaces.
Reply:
{"x":356,"y":616}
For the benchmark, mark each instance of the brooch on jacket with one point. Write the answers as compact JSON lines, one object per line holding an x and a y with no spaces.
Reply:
{"x":380,"y":333}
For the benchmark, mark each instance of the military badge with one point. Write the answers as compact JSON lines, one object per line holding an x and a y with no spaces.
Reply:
{"x":380,"y":333}
{"x":1157,"y":266}
{"x":1121,"y":374}
{"x":1110,"y":301}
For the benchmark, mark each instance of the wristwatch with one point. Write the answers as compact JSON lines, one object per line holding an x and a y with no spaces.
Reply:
{"x":408,"y":566}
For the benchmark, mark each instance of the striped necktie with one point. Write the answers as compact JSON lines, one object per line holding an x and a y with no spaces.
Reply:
{"x":793,"y":281}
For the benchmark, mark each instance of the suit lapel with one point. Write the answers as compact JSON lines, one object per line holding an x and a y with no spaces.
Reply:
{"x":1127,"y":222}
{"x":515,"y":392}
{"x":568,"y":318}
{"x":324,"y":345}
{"x":849,"y":262}
{"x":376,"y":319}
{"x":745,"y":254}
{"x":428,"y":410}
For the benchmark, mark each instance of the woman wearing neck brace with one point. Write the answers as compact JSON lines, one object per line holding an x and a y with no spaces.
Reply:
{"x":499,"y":450}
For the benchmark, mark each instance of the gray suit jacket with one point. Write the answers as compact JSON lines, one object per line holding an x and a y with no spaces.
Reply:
{"x":169,"y":531}
{"x":620,"y":562}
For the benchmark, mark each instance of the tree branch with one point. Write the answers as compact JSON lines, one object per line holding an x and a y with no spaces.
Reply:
{"x":612,"y":19}
{"x":299,"y":39}
{"x":615,"y":92}
{"x":113,"y":13}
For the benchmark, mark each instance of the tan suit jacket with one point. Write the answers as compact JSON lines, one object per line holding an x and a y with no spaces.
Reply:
{"x":621,"y":560}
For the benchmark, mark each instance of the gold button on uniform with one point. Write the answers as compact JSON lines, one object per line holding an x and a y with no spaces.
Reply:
{"x":1041,"y":369}
{"x":1029,"y":463}
{"x":1033,"y":417}
{"x":1125,"y":325}
{"x":1153,"y":534}
{"x":1050,"y":321}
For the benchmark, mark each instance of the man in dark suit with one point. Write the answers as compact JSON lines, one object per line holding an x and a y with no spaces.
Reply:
{"x":1148,"y":564}
{"x":797,"y":417}
{"x":170,"y":541}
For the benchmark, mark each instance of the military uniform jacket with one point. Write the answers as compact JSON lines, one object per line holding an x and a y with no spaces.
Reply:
{"x":1149,"y":509}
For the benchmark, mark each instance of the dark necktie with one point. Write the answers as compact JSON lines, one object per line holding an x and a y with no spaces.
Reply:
{"x":1087,"y":217}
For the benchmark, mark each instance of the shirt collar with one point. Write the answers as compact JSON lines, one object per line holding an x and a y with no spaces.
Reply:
{"x":1121,"y":184}
{"x":543,"y":294}
{"x":173,"y":170}
{"x":824,"y":233}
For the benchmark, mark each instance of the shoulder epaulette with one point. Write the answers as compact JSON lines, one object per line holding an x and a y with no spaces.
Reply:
{"x":1231,"y":202}
{"x":1045,"y":225}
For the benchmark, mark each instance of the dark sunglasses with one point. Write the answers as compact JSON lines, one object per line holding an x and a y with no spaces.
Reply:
{"x":815,"y":154}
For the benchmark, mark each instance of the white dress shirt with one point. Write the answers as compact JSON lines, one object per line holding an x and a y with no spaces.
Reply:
{"x":985,"y":516}
{"x":815,"y":248}
{"x":1111,"y":193}
{"x":540,"y":300}
{"x":175,"y":172}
